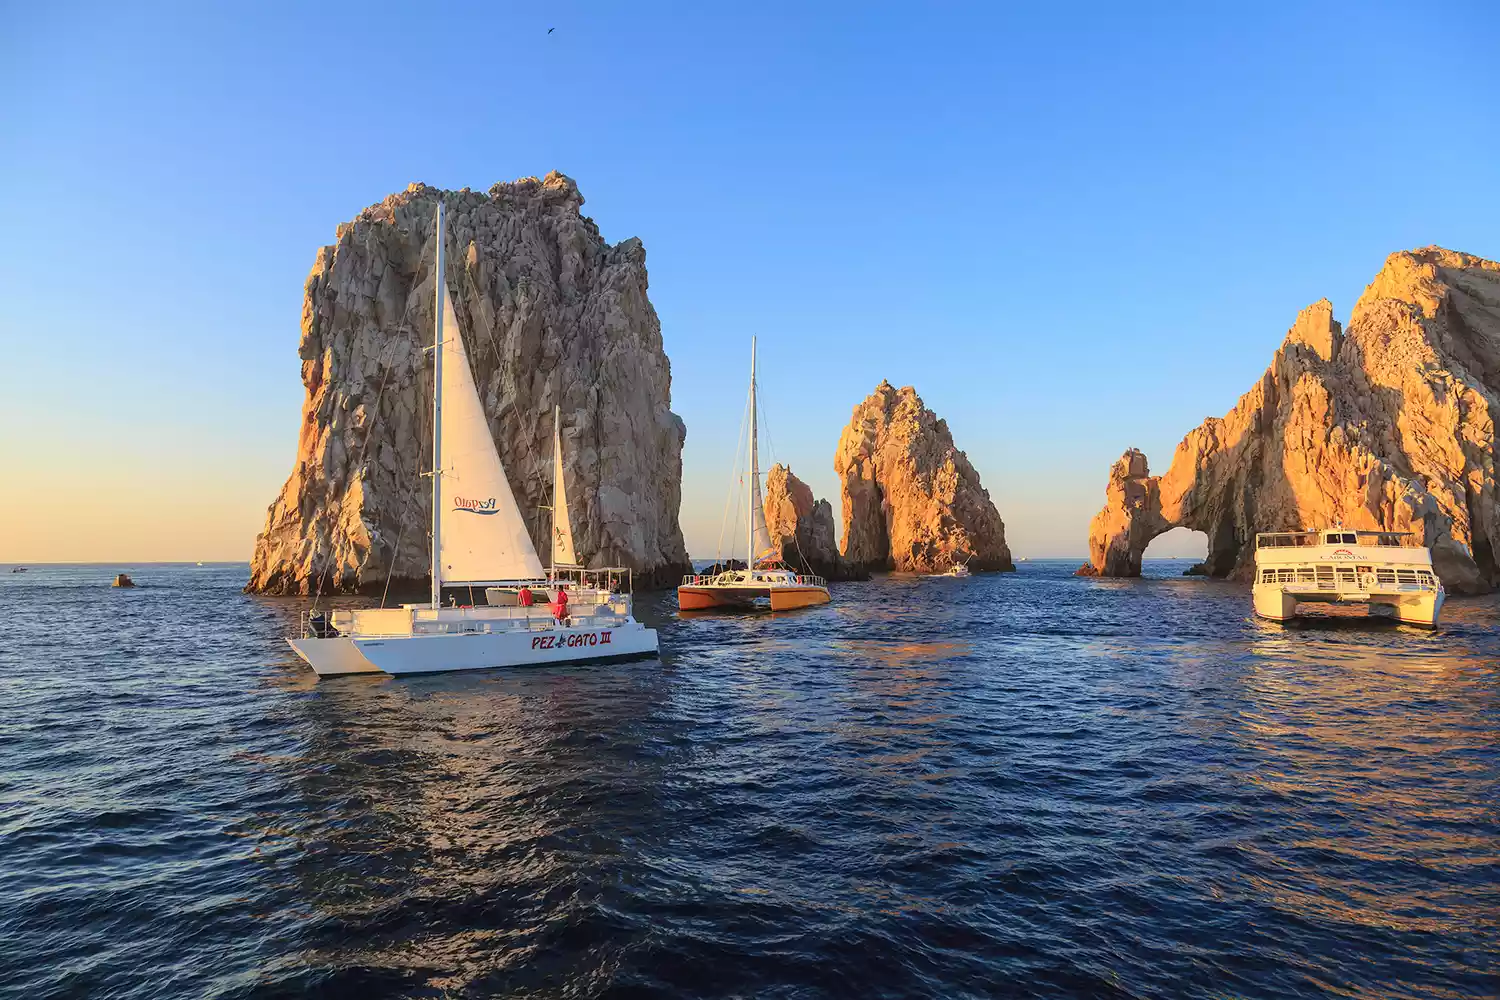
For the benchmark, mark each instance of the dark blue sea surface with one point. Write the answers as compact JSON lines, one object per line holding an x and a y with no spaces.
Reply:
{"x":1019,"y":785}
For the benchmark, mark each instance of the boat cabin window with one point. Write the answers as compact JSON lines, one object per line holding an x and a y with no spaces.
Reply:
{"x":1287,"y":540}
{"x":1344,"y":538}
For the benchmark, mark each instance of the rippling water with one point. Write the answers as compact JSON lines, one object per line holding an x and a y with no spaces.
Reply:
{"x":1027,"y":784}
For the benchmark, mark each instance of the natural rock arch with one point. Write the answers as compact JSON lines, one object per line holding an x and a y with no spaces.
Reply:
{"x":1389,"y":425}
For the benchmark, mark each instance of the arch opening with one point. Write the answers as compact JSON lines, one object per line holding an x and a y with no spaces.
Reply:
{"x":1176,"y":552}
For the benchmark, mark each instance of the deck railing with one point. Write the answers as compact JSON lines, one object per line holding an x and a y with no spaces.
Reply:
{"x":1347,"y":579}
{"x":797,"y":579}
{"x":321,"y":624}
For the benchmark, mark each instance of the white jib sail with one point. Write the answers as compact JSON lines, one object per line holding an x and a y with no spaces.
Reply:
{"x":482,"y":535}
{"x":762,"y":536}
{"x":562,"y":528}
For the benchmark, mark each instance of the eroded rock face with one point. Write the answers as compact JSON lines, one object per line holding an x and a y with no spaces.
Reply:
{"x":1131,"y":517}
{"x":1388,"y":425}
{"x":551,"y":314}
{"x":912,"y":501}
{"x":802,"y":531}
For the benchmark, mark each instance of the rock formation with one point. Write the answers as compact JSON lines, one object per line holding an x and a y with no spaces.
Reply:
{"x":1388,"y":424}
{"x":801,"y":528}
{"x":912,"y":501}
{"x":1130,"y":519}
{"x":551,"y":313}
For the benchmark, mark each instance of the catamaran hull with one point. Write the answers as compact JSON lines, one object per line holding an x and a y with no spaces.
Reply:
{"x":438,"y":653}
{"x":333,"y":656}
{"x":690,"y":598}
{"x":1416,"y":607}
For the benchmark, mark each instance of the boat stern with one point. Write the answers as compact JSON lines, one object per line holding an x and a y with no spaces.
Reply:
{"x":333,"y":656}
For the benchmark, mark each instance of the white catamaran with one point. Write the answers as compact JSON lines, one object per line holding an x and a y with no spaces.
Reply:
{"x":1339,"y":566}
{"x":479,"y":540}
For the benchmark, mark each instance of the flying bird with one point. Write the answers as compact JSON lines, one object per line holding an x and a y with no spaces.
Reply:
{"x":551,"y":30}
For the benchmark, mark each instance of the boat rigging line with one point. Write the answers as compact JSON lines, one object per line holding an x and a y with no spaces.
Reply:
{"x":371,"y":418}
{"x":732,"y":497}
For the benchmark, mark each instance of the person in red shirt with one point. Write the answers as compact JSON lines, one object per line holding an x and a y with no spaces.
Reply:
{"x":560,"y":605}
{"x":524,"y":598}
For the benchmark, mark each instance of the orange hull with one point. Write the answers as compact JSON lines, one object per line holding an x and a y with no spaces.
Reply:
{"x":696,"y":599}
{"x":782,"y":598}
{"x":788,"y":598}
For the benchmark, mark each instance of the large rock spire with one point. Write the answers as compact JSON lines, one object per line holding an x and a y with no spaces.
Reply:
{"x":552,"y":315}
{"x":912,"y":501}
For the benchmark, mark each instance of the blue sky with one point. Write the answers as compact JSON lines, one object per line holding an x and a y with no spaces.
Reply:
{"x":1073,"y":228}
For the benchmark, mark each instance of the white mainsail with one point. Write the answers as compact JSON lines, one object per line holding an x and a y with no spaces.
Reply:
{"x":562,"y":528}
{"x":760,"y":537}
{"x":481,"y":533}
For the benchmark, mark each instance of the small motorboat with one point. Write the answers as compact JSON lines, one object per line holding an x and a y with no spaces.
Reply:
{"x":123,"y":580}
{"x":19,"y":569}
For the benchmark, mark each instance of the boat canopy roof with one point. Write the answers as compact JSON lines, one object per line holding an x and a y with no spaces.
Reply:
{"x":1334,"y":536}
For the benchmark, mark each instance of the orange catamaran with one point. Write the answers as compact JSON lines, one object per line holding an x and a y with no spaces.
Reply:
{"x":764,"y":582}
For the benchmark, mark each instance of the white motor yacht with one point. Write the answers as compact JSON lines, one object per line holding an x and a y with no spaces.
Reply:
{"x":1378,"y":569}
{"x":480,"y":544}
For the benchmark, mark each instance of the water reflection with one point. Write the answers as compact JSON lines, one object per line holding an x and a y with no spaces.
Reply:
{"x":1380,"y":825}
{"x":488,"y":805}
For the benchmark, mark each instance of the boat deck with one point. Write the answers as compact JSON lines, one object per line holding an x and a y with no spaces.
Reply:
{"x":781,"y":590}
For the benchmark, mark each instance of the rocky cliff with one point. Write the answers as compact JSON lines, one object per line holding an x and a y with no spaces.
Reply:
{"x":912,"y":501}
{"x":552,"y":314}
{"x":1388,"y":424}
{"x":802,"y":531}
{"x":1131,"y":517}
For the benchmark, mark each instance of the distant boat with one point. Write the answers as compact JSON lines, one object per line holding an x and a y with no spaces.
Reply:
{"x":764,"y":579}
{"x":19,"y":569}
{"x":123,"y":580}
{"x":479,"y":542}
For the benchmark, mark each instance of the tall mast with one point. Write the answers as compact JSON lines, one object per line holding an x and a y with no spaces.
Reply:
{"x":754,"y":472}
{"x":437,"y":412}
{"x":556,"y":475}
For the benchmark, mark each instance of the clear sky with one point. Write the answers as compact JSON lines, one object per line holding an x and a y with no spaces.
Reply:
{"x":1074,"y":228}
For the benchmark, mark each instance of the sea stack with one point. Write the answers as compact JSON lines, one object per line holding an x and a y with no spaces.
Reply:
{"x":802,"y":529}
{"x":552,"y":315}
{"x":912,"y":502}
{"x":1386,"y":425}
{"x":1120,"y":532}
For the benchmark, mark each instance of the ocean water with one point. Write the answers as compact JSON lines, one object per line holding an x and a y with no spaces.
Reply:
{"x":1017,"y":785}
